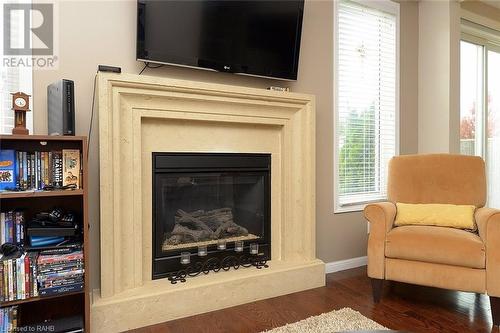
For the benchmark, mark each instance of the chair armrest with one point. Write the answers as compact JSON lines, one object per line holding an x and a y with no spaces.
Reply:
{"x":381,"y":213}
{"x":488,"y":224}
{"x":381,"y":216}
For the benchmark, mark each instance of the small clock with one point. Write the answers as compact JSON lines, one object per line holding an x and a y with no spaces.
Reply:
{"x":20,"y":105}
{"x":20,"y":101}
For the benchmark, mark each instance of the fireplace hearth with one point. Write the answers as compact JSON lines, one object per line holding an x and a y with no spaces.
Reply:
{"x":204,"y":206}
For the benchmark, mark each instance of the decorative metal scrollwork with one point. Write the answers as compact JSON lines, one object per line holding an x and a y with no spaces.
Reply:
{"x":258,"y":261}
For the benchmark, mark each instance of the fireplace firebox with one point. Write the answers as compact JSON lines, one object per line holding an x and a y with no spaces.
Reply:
{"x":212,"y":200}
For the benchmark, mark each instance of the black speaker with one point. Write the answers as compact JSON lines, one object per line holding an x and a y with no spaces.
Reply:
{"x":61,"y":107}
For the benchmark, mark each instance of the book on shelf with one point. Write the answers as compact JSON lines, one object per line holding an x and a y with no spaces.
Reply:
{"x":12,"y":227}
{"x":51,"y":291}
{"x":7,"y":169}
{"x":53,"y":259}
{"x":71,"y":167}
{"x":23,"y":170}
{"x":8,"y":319}
{"x":57,"y":173}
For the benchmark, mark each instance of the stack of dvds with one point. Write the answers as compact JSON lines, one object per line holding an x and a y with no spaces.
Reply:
{"x":8,"y":319}
{"x":60,"y":273}
{"x":17,"y":277}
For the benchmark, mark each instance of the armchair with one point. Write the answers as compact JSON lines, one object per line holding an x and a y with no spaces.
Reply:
{"x":436,"y":256}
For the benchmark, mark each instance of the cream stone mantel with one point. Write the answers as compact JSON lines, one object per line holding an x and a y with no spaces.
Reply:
{"x":139,"y":115}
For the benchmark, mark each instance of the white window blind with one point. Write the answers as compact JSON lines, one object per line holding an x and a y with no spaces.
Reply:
{"x":13,"y":79}
{"x":366,"y":101}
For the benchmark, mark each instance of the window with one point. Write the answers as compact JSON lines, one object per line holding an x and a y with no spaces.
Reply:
{"x":13,"y":79}
{"x":471,"y":99}
{"x":480,"y":100}
{"x":366,"y":100}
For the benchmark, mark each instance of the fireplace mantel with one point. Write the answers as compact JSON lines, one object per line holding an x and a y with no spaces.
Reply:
{"x":139,"y":115}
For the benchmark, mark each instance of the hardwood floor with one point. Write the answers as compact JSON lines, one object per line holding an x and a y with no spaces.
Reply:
{"x":403,"y":307}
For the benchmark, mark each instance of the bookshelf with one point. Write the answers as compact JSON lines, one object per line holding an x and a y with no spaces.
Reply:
{"x":60,"y":307}
{"x":37,"y":194}
{"x":38,"y":298}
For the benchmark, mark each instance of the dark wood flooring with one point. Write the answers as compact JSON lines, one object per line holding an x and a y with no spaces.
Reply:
{"x":403,"y":307}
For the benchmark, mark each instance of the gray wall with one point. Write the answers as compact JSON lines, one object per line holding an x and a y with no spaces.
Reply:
{"x":103,"y":32}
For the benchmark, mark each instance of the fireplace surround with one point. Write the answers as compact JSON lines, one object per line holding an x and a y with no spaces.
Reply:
{"x":210,"y":200}
{"x":140,"y":115}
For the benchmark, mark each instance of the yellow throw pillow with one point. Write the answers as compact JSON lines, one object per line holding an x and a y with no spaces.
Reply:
{"x":442,"y":215}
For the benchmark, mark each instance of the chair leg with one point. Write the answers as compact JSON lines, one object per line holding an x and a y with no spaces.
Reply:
{"x":495,"y":310}
{"x":377,"y":286}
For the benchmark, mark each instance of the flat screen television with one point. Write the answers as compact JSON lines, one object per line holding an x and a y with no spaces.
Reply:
{"x":260,"y":37}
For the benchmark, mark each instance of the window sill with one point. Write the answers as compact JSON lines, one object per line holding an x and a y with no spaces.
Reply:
{"x":349,"y":209}
{"x":355,"y":207}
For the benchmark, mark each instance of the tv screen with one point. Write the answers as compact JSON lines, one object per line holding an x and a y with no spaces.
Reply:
{"x":259,"y":37}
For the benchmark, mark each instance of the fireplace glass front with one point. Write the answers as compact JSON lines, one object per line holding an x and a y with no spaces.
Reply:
{"x":208,"y":199}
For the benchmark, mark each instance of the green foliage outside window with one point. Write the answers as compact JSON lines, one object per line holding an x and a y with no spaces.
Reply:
{"x":357,"y":156}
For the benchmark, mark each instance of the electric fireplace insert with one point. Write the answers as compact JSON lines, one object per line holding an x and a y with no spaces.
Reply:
{"x":212,"y":200}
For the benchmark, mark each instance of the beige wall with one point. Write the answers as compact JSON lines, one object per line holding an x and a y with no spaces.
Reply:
{"x":438,"y":65}
{"x":103,"y":32}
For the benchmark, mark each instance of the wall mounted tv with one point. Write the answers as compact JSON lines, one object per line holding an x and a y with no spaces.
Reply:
{"x":260,"y":37}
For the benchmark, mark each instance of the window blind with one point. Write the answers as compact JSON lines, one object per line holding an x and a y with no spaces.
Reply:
{"x":365,"y":101}
{"x":13,"y":79}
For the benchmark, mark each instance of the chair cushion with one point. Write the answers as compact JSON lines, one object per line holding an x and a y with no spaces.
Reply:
{"x":437,"y":245}
{"x":439,"y":215}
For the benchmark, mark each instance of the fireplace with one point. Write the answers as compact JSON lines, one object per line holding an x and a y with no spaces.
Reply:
{"x":215,"y":200}
{"x":140,"y":115}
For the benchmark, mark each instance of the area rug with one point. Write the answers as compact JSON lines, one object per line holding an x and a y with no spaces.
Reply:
{"x":342,"y":320}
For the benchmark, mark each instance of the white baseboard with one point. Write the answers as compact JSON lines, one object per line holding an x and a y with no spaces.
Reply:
{"x":342,"y":265}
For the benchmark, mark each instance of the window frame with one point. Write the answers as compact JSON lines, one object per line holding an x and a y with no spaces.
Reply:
{"x":472,"y":33}
{"x":392,"y":8}
{"x":478,"y":34}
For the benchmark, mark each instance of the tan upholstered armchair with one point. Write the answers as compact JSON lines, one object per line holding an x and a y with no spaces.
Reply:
{"x":436,"y":256}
